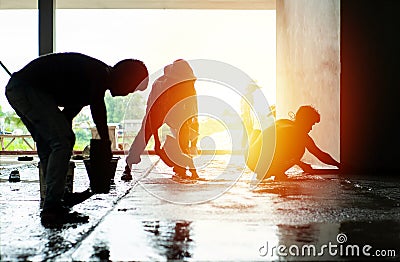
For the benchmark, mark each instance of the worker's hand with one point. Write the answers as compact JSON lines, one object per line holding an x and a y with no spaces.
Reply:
{"x":127,"y":170}
{"x":126,"y":175}
{"x":307,"y":168}
{"x":340,"y":166}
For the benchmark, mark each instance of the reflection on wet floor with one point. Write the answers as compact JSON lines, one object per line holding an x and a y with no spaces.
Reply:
{"x":101,"y":252}
{"x":170,"y":240}
{"x":157,"y":219}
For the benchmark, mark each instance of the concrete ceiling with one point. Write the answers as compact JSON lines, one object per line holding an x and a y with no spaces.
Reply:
{"x":146,"y":4}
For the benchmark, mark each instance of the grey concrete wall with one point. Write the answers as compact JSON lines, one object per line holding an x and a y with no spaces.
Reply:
{"x":308,"y":65}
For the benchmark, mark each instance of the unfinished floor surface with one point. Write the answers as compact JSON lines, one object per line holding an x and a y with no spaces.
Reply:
{"x":227,"y":217}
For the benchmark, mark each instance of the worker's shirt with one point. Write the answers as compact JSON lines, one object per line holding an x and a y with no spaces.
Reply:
{"x":73,"y":79}
{"x":290,"y":143}
{"x":172,"y":102}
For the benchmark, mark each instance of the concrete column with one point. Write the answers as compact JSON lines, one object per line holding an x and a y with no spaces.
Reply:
{"x":308,"y":66}
{"x":46,"y":26}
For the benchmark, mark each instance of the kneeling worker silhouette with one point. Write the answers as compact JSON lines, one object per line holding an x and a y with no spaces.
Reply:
{"x":173,"y":101}
{"x":278,"y":148}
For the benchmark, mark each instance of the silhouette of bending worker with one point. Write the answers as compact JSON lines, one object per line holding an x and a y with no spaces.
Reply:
{"x":173,"y":101}
{"x":70,"y":81}
{"x":292,"y":139}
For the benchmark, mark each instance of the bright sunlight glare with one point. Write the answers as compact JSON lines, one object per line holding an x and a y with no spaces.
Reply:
{"x":244,"y":39}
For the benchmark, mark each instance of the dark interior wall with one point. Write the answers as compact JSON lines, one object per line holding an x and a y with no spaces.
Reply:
{"x":369,"y":94}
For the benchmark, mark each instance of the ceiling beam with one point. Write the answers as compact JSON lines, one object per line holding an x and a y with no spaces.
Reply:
{"x":47,"y":19}
{"x":146,"y":4}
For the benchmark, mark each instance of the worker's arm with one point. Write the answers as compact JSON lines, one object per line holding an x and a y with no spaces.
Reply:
{"x":194,"y":129}
{"x":305,"y":167}
{"x":154,"y":125}
{"x":194,"y":124}
{"x":157,"y":143}
{"x":99,"y":115}
{"x":321,"y":155}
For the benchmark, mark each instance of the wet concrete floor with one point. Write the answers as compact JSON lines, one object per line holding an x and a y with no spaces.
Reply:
{"x":153,"y":218}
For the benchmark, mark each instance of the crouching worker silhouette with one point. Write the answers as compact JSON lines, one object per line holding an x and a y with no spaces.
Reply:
{"x":70,"y":81}
{"x":269,"y":157}
{"x":172,"y":101}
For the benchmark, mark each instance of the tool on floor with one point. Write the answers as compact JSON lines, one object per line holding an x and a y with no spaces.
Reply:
{"x":14,"y":176}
